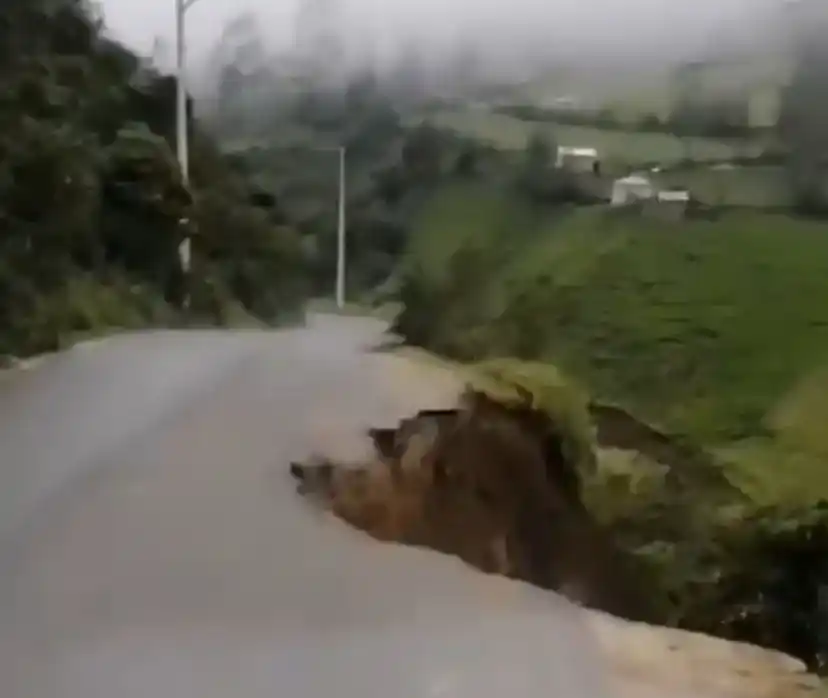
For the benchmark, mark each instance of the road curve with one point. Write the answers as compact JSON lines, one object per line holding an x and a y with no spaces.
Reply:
{"x":152,"y":544}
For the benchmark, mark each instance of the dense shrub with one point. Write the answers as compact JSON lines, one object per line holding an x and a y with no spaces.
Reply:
{"x":91,"y":197}
{"x":727,"y":568}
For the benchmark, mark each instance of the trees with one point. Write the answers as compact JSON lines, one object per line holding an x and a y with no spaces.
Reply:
{"x":703,"y":110}
{"x":802,"y":126}
{"x":422,"y":154}
{"x":539,"y":178}
{"x":91,"y":196}
{"x":320,"y":45}
{"x":242,"y":77}
{"x":407,"y":80}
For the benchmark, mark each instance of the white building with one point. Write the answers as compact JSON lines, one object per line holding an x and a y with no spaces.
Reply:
{"x":632,"y":188}
{"x":577,"y":159}
{"x":670,"y":204}
{"x":674,"y":196}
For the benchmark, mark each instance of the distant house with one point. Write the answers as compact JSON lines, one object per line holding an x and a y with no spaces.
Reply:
{"x":632,"y":188}
{"x":565,"y":103}
{"x":578,"y":159}
{"x":673,"y":196}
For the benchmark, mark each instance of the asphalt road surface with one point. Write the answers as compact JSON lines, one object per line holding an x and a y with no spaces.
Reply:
{"x":152,"y":545}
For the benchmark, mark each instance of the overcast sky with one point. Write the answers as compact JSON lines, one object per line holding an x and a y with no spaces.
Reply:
{"x":625,"y":26}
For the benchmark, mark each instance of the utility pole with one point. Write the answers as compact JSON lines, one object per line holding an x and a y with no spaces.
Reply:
{"x":182,"y":151}
{"x":181,"y":135}
{"x":340,"y":235}
{"x":341,"y":225}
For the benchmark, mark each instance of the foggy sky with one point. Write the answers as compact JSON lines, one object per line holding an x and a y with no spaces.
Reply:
{"x":586,"y":28}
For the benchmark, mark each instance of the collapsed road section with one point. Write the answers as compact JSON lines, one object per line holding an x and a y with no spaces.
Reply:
{"x":497,"y":485}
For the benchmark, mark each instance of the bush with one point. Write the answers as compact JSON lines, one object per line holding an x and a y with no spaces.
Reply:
{"x":734,"y":570}
{"x":91,"y":196}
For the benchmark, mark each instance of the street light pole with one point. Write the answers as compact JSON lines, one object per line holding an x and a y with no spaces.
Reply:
{"x":341,"y":222}
{"x":181,"y":144}
{"x":340,"y":235}
{"x":182,"y":151}
{"x":181,"y":135}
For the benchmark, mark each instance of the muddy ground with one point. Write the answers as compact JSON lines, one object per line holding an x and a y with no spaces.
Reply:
{"x":489,"y":484}
{"x":430,"y":481}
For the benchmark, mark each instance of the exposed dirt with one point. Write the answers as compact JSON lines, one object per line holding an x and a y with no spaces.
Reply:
{"x":489,"y":484}
{"x":643,"y":660}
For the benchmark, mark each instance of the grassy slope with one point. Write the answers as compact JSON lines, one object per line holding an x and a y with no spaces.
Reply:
{"x":716,"y":329}
{"x":760,"y":186}
{"x":615,"y":146}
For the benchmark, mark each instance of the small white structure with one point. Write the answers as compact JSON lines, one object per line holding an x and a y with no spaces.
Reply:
{"x":628,"y":190}
{"x":577,"y":159}
{"x":670,"y":204}
{"x":674,"y":196}
{"x":564,"y":103}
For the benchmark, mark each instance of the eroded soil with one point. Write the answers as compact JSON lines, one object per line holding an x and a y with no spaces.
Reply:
{"x":488,"y":484}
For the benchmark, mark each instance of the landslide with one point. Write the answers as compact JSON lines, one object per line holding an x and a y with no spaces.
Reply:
{"x":495,"y":481}
{"x":512,"y":480}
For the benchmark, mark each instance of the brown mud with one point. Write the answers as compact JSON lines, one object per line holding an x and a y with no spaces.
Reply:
{"x":489,"y":484}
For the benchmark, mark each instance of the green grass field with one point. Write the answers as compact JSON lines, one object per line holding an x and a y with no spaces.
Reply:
{"x":622,"y":147}
{"x":706,"y":326}
{"x":715,"y":330}
{"x":759,"y":187}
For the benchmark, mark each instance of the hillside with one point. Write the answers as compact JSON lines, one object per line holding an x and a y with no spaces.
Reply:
{"x":759,"y":70}
{"x":93,"y":204}
{"x":702,"y":345}
{"x":620,"y":148}
{"x":715,"y":330}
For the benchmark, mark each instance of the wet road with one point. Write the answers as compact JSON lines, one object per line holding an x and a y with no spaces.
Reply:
{"x":152,"y":544}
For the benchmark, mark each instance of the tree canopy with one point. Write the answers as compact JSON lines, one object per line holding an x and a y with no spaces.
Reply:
{"x":92,"y":200}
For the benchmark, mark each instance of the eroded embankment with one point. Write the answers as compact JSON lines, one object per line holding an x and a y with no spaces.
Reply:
{"x":687,"y":463}
{"x":491,"y":484}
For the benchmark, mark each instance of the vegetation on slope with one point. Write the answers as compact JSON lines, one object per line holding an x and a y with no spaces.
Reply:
{"x":709,"y":329}
{"x":702,"y":326}
{"x":92,"y":201}
{"x":628,"y":148}
{"x":285,"y":128}
{"x":710,"y":335}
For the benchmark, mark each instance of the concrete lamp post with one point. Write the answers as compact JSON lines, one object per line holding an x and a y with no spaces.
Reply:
{"x":340,"y":234}
{"x":181,"y":134}
{"x":183,"y":154}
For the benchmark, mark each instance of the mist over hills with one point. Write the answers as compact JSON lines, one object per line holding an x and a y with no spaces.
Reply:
{"x":517,"y":41}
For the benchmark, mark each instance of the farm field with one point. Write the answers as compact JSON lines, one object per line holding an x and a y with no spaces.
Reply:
{"x":616,"y":147}
{"x":758,"y":187}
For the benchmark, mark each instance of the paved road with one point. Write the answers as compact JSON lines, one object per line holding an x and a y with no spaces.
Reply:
{"x":152,"y":544}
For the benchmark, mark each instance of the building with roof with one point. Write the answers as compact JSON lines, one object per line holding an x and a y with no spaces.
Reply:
{"x":578,"y":159}
{"x":632,"y":188}
{"x":670,"y":204}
